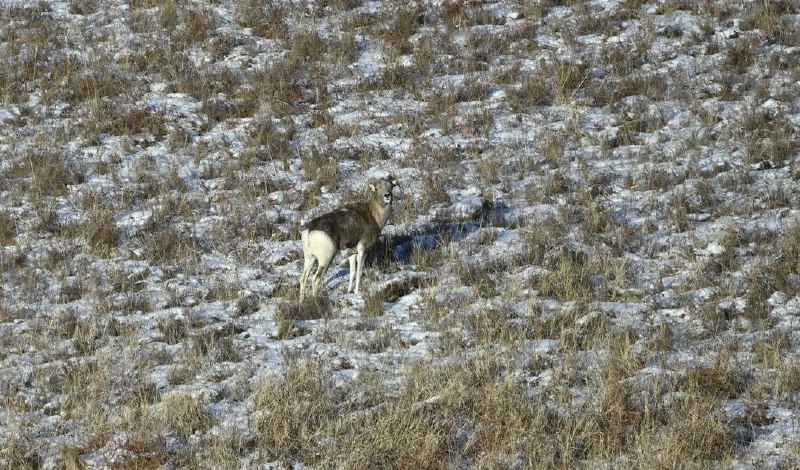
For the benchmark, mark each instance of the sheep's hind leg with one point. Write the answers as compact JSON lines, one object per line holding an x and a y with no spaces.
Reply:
{"x":308,"y":263}
{"x":324,"y":250}
{"x":321,"y":270}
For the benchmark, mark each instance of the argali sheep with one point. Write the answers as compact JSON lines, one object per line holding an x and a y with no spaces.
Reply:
{"x":353,"y":226}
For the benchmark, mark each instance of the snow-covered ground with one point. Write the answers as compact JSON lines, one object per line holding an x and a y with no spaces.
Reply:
{"x":594,"y":258}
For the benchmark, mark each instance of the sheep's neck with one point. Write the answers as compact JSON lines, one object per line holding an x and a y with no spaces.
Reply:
{"x":380,"y":212}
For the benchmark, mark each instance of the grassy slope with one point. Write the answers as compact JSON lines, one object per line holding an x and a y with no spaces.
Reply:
{"x":628,"y":298}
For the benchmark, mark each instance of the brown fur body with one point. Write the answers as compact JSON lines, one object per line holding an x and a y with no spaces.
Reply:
{"x":353,"y":227}
{"x":345,"y":226}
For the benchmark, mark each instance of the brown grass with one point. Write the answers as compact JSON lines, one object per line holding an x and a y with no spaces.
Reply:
{"x":8,"y":229}
{"x":312,"y":308}
{"x":323,"y":169}
{"x":184,"y":415}
{"x":102,"y":233}
{"x":717,"y":381}
{"x":374,"y":303}
{"x":48,"y":172}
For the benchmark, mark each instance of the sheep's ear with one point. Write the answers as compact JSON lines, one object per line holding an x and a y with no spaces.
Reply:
{"x":372,"y":184}
{"x":393,"y":181}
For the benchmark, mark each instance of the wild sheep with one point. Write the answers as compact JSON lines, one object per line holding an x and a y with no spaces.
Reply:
{"x":353,"y":226}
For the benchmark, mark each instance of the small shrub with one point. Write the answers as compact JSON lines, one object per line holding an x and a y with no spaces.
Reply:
{"x":741,"y":55}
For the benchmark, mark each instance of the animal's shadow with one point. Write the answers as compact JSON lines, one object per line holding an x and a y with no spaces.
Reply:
{"x":397,"y":247}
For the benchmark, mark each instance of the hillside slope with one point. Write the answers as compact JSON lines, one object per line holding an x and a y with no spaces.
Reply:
{"x":594,"y":258}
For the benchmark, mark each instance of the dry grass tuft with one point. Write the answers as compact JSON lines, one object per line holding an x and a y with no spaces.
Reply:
{"x":214,"y":342}
{"x":717,"y":381}
{"x":17,"y":453}
{"x":480,"y":278}
{"x":289,"y":313}
{"x":555,"y":82}
{"x":293,"y":410}
{"x":102,"y":232}
{"x":166,"y":245}
{"x":265,"y":19}
{"x":694,"y":434}
{"x":185,"y":415}
{"x":322,"y":169}
{"x":374,"y":303}
{"x":173,"y":330}
{"x":8,"y":229}
{"x":48,"y":173}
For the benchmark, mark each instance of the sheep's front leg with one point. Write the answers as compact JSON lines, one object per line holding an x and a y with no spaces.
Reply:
{"x":360,"y":265}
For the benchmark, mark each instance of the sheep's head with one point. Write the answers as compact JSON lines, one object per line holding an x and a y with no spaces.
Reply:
{"x":380,"y":189}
